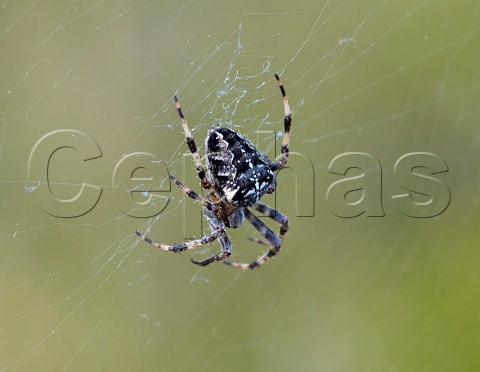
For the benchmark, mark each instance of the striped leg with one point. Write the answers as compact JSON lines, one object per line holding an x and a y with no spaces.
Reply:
{"x":287,"y":122}
{"x":217,"y":230}
{"x":184,"y":246}
{"x":193,"y":147}
{"x":274,"y":241}
{"x":192,"y":194}
{"x":214,"y":222}
{"x":274,"y":215}
{"x":226,"y":252}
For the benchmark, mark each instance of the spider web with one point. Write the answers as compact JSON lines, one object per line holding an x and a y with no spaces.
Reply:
{"x":94,"y":81}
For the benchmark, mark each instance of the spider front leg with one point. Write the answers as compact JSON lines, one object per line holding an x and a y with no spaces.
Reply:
{"x":287,"y":122}
{"x":193,"y":147}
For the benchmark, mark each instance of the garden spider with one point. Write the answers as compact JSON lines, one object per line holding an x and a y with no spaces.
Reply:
{"x":238,"y":176}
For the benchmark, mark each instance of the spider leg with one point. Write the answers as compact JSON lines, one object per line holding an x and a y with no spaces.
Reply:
{"x":184,"y":246}
{"x":193,"y":147}
{"x":214,"y":223}
{"x":217,"y":230}
{"x":192,"y":194}
{"x":275,"y":244}
{"x":274,"y":215}
{"x":287,"y":122}
{"x":226,"y":252}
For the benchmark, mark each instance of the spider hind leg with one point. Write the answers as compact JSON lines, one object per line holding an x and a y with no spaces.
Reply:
{"x":273,"y":241}
{"x":214,"y":222}
{"x":207,"y":261}
{"x":223,"y":255}
{"x":184,"y":246}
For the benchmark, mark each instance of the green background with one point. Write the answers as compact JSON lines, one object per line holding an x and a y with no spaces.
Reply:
{"x":390,"y":293}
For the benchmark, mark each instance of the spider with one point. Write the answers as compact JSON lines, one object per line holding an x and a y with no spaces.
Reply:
{"x":238,"y":176}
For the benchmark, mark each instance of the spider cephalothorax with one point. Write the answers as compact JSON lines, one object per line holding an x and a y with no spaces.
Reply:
{"x":238,"y":175}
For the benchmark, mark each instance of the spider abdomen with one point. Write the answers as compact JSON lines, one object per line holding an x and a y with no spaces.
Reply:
{"x":240,"y":173}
